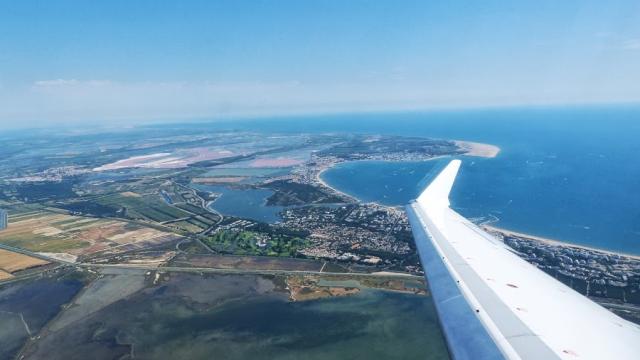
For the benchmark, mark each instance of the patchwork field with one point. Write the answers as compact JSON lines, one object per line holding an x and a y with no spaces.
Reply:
{"x":176,"y":207}
{"x":60,"y":233}
{"x":150,"y":207}
{"x":11,"y":262}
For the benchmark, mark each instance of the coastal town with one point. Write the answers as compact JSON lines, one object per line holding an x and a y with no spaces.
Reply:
{"x":170,"y":207}
{"x":319,"y":180}
{"x":369,"y":234}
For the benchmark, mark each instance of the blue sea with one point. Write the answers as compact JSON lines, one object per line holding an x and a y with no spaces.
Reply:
{"x":567,"y":173}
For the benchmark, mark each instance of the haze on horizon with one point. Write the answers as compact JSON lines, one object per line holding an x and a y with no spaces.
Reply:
{"x":83,"y":62}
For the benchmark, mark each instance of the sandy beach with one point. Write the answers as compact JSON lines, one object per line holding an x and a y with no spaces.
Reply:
{"x":323,"y":183}
{"x":478,"y":149}
{"x":553,"y":242}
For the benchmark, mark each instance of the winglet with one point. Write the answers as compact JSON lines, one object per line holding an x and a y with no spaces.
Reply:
{"x":437,"y":193}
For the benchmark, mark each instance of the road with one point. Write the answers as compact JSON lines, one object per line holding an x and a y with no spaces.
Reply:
{"x":208,"y":270}
{"x":247,"y":271}
{"x":205,"y":205}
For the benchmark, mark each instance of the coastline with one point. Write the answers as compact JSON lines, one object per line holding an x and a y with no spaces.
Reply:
{"x":471,"y":148}
{"x":553,"y":242}
{"x":488,"y":228}
{"x":320,"y":181}
{"x":478,"y":149}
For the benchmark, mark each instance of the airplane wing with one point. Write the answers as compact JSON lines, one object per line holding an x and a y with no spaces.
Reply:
{"x":493,"y":305}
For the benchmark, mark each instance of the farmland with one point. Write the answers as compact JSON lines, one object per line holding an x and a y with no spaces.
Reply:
{"x":11,"y":262}
{"x":51,"y":232}
{"x":167,"y":203}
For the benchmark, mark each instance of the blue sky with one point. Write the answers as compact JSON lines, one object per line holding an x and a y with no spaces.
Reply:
{"x":90,"y":61}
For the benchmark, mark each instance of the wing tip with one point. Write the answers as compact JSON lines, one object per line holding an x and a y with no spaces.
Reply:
{"x":437,"y":193}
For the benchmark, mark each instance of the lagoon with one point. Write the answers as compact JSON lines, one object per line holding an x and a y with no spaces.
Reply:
{"x":245,"y":203}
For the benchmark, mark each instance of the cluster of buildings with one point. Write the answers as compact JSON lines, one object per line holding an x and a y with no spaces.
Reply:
{"x":359,"y":233}
{"x":53,"y":174}
{"x":379,"y":218}
{"x":590,"y":272}
{"x":308,"y":172}
{"x":237,"y":225}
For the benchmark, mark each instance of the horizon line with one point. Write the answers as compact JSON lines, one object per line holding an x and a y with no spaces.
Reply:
{"x":135,"y":122}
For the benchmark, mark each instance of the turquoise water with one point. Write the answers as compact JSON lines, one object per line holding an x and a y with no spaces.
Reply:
{"x":571,"y":174}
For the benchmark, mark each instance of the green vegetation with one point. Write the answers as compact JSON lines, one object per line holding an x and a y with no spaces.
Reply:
{"x":38,"y":192}
{"x":22,"y":208}
{"x":288,"y":193}
{"x":221,"y":172}
{"x":147,"y":207}
{"x":150,"y":207}
{"x":89,"y":207}
{"x":172,"y":205}
{"x":190,"y":208}
{"x":186,"y":226}
{"x":253,"y":243}
{"x":361,"y":146}
{"x":43,"y":243}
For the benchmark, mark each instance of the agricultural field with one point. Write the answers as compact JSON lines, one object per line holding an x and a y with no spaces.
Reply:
{"x":50,"y":232}
{"x":175,"y":208}
{"x":140,"y":207}
{"x":11,"y":262}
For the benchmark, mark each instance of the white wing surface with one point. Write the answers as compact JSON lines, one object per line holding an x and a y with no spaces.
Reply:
{"x":494,"y":305}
